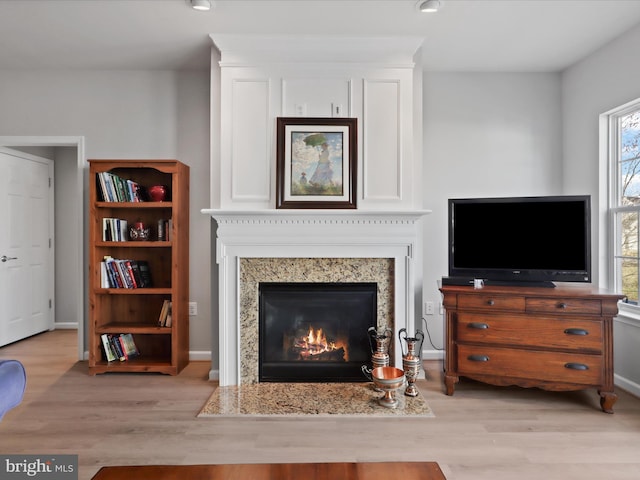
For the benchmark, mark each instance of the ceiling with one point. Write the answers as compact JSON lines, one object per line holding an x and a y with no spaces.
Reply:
{"x":466,"y":35}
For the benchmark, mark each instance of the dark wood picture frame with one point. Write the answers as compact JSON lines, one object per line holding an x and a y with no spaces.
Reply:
{"x":316,"y":163}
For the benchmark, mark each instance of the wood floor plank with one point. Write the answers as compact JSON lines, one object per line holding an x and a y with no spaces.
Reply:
{"x":481,"y":432}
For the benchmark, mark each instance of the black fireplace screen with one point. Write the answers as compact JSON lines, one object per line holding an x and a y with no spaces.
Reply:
{"x":315,"y":332}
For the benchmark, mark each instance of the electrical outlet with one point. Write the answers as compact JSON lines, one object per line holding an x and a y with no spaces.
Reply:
{"x":193,"y":309}
{"x":428,"y":308}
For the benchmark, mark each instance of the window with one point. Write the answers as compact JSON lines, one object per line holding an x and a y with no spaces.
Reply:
{"x":624,"y":141}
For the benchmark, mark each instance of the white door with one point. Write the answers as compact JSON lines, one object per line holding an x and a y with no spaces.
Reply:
{"x":26,"y":254}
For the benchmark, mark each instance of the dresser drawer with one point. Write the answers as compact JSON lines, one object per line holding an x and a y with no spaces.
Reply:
{"x":535,"y":365}
{"x":564,"y":305}
{"x":491,"y":302}
{"x":529,"y":330}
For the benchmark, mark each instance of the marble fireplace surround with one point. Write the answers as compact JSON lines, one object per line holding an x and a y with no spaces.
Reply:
{"x":310,"y":245}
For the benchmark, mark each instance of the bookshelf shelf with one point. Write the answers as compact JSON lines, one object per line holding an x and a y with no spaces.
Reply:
{"x":136,"y":244}
{"x":120,"y":300}
{"x":134,"y":328}
{"x":136,"y":205}
{"x":133,"y":291}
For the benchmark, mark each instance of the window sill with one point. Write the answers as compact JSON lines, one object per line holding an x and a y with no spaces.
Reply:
{"x":629,"y":313}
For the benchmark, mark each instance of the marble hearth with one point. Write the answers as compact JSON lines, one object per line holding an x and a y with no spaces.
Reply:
{"x":310,"y":246}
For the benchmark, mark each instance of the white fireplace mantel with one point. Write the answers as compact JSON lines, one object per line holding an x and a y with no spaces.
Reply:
{"x":312,"y":234}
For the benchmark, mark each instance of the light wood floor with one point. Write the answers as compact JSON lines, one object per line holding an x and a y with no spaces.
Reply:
{"x":480,"y":433}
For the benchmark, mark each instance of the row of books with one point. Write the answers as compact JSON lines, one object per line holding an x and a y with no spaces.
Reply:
{"x":165,"y":318}
{"x":114,"y":230}
{"x":117,"y":189}
{"x":124,"y":273}
{"x":165,"y":227}
{"x":120,"y":347}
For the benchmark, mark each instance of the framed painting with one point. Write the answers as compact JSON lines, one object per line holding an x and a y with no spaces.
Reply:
{"x":316,"y":162}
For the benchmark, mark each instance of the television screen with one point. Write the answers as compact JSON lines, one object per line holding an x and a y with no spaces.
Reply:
{"x":521,"y":239}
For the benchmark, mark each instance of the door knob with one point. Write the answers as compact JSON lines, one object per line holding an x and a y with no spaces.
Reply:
{"x":4,"y":258}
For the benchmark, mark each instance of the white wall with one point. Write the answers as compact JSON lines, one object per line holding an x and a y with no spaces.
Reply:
{"x":484,"y":135}
{"x":604,"y":80}
{"x":126,"y":114}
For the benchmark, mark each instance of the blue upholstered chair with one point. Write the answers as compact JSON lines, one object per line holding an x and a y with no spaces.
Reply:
{"x":13,"y":381}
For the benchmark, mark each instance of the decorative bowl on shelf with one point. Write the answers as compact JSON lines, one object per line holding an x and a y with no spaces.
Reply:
{"x":138,"y":232}
{"x":157,"y":193}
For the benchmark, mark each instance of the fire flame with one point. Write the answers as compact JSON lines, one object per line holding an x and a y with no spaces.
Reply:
{"x":315,"y":342}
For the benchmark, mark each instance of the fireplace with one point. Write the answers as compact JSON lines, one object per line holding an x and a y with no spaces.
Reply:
{"x":337,"y":246}
{"x":315,"y":332}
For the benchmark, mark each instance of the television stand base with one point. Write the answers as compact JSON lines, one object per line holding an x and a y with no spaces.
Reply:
{"x":556,"y":339}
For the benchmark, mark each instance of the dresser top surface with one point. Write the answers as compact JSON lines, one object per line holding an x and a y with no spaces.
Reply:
{"x":561,"y":290}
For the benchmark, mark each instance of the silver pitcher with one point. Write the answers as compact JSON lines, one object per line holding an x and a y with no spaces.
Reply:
{"x":411,"y":360}
{"x":379,"y":339}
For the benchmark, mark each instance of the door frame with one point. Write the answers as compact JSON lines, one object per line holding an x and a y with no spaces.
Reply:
{"x":78,"y":223}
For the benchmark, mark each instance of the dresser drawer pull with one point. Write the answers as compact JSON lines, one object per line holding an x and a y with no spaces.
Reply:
{"x":562,"y":305}
{"x":491,"y":302}
{"x":478,"y":358}
{"x":576,"y":331}
{"x":478,"y":325}
{"x":576,"y":366}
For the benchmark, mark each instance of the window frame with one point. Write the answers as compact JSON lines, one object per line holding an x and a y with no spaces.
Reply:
{"x":614,"y":208}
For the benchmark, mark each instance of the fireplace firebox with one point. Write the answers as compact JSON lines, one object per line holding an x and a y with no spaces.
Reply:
{"x":315,"y":332}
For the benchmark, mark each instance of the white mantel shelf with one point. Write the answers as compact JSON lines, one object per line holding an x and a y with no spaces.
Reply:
{"x":316,"y":215}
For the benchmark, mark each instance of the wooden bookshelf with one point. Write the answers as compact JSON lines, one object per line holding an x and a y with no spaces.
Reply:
{"x":137,"y":310}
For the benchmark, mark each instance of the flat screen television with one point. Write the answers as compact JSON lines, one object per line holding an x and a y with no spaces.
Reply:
{"x":538,"y":240}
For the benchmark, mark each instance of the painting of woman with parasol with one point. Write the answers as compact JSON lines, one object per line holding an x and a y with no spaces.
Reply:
{"x":315,"y":162}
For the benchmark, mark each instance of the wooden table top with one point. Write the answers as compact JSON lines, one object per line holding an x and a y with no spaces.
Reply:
{"x":277,"y":471}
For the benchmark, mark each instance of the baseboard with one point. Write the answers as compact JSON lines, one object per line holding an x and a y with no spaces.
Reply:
{"x":432,"y":354}
{"x":65,"y":325}
{"x":627,"y":385}
{"x":199,"y":356}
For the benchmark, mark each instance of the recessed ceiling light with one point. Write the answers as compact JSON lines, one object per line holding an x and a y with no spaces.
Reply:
{"x":429,"y":6}
{"x":201,"y":5}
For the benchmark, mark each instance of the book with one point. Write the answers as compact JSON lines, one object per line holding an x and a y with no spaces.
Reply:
{"x":169,"y":320}
{"x":106,"y":345}
{"x":145,"y":274}
{"x":124,"y":273}
{"x":161,"y":230}
{"x":115,"y":343}
{"x":104,"y":276}
{"x":116,"y":281}
{"x":136,"y":273}
{"x":107,"y":235}
{"x":129,"y":345}
{"x":162,"y":318}
{"x":111,"y":191}
{"x":130,"y":272}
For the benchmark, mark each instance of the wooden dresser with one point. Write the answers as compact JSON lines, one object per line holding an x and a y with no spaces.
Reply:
{"x":551,"y":338}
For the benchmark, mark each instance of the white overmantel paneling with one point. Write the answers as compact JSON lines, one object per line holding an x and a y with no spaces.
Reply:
{"x":262,"y":77}
{"x":312,"y":234}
